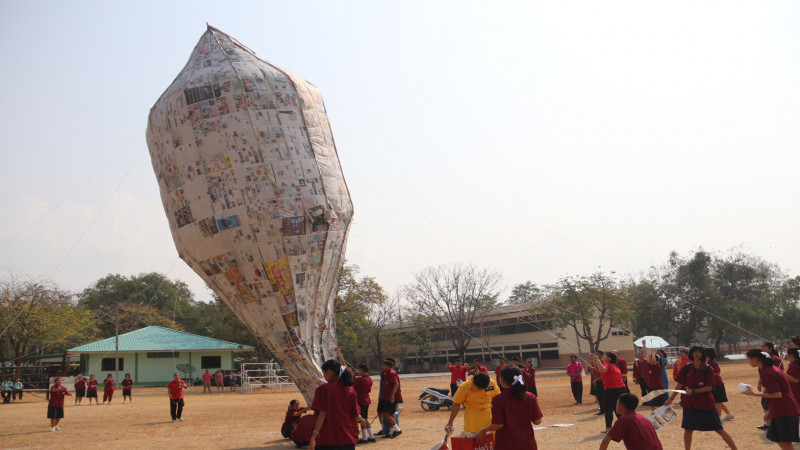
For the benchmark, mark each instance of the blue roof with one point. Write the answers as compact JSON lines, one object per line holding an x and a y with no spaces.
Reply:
{"x":158,"y":339}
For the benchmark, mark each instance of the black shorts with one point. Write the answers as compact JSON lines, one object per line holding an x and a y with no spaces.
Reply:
{"x":364,"y":411}
{"x":701,"y":420}
{"x":784,"y":429}
{"x":80,"y":393}
{"x":126,"y":392}
{"x":55,"y":412}
{"x":91,"y":394}
{"x":387,"y":407}
{"x":720,"y":396}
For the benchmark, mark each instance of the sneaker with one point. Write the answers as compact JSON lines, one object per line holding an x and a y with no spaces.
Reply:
{"x":361,"y":441}
{"x":763,"y":427}
{"x":371,"y":440}
{"x":174,"y":420}
{"x":728,"y":416}
{"x":395,"y":434}
{"x":600,"y":413}
{"x":58,"y":428}
{"x":596,"y":409}
{"x":53,"y":429}
{"x":379,"y":433}
{"x":180,"y":419}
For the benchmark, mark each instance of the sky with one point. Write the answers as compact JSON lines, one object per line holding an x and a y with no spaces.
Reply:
{"x":538,"y":139}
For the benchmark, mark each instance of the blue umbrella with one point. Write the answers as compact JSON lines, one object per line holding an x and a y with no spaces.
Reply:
{"x":651,"y":341}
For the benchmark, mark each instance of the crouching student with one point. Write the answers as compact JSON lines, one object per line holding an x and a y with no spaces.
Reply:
{"x":634,"y":430}
{"x":336,"y":407}
{"x":513,"y":412}
{"x":292,"y":416}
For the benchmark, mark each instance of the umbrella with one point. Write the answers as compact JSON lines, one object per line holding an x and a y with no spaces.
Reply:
{"x":651,"y":341}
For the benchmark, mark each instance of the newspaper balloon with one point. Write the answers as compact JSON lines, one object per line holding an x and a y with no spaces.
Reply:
{"x":254,"y":193}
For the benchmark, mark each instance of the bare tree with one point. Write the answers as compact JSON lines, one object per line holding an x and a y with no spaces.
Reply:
{"x":384,"y":311}
{"x":455,"y":297}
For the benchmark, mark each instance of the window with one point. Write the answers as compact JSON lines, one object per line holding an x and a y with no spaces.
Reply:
{"x":527,"y":346}
{"x":550,"y":354}
{"x":210,"y":362}
{"x":620,"y":333}
{"x":550,"y":345}
{"x":107,"y":364}
{"x":163,"y":354}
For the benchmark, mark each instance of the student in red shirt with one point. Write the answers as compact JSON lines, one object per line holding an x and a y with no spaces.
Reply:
{"x":623,"y":369}
{"x":388,"y":398}
{"x":477,"y":366}
{"x":362,"y":384}
{"x":682,"y":361}
{"x":108,"y":389}
{"x":80,"y":389}
{"x":529,"y":376}
{"x":768,"y":347}
{"x":457,"y":372}
{"x":513,"y":411}
{"x":699,"y":410}
{"x":793,"y":371}
{"x":175,"y":390}
{"x":501,"y":364}
{"x":55,"y":406}
{"x":91,"y":389}
{"x":783,"y":409}
{"x":718,"y":391}
{"x":127,"y":386}
{"x":207,"y":381}
{"x":612,"y":385}
{"x":336,"y":407}
{"x":651,"y":369}
{"x":292,"y":416}
{"x":634,"y":430}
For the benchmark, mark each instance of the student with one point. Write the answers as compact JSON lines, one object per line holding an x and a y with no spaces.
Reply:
{"x":477,"y":366}
{"x":661,"y":356}
{"x":336,"y":407}
{"x":108,"y":389}
{"x":18,"y":388}
{"x":682,"y":361}
{"x":389,"y":396}
{"x":638,"y":373}
{"x":652,"y":369}
{"x":783,"y":408}
{"x":598,"y":389}
{"x":476,"y":395}
{"x":574,"y":370}
{"x":127,"y":386}
{"x":513,"y":411}
{"x":699,"y":411}
{"x":458,"y":373}
{"x":502,"y":363}
{"x":219,"y":380}
{"x":793,"y":371}
{"x":91,"y":389}
{"x":55,"y":406}
{"x":529,"y":376}
{"x":768,"y":347}
{"x":7,"y":388}
{"x":718,"y":391}
{"x":362,"y":384}
{"x":612,"y":385}
{"x":634,"y":430}
{"x":175,"y":391}
{"x":292,"y":416}
{"x":207,"y":381}
{"x":80,"y":389}
{"x":623,"y":370}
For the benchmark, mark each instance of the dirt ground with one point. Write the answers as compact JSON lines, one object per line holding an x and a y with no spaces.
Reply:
{"x":238,"y":420}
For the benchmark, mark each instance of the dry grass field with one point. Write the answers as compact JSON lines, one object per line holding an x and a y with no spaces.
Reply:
{"x":237,"y":420}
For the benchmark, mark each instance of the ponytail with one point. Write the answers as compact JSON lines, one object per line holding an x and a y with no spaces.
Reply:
{"x":513,"y":377}
{"x":339,"y":371}
{"x":764,"y":357}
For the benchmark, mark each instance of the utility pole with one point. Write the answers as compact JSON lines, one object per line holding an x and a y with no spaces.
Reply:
{"x":116,"y":345}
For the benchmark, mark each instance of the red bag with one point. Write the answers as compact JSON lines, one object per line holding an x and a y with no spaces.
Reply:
{"x":471,"y":444}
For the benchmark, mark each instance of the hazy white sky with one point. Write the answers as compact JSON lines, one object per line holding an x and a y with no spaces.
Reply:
{"x":537,"y":138}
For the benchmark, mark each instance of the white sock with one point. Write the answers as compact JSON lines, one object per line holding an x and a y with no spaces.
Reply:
{"x":396,"y":427}
{"x":364,"y":434}
{"x":371,"y":436}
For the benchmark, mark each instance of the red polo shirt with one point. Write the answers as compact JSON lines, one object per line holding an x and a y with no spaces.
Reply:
{"x":694,"y":378}
{"x":635,"y":431}
{"x":715,"y":367}
{"x":176,"y":389}
{"x":623,"y":365}
{"x":458,"y":373}
{"x":774,"y":380}
{"x":611,"y":377}
{"x":652,"y":375}
{"x":794,"y":370}
{"x":390,"y":378}
{"x":516,"y":416}
{"x":340,"y":406}
{"x":363,"y":386}
{"x":57,"y":396}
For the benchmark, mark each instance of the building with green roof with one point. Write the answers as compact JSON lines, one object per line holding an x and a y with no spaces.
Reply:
{"x":152,"y":354}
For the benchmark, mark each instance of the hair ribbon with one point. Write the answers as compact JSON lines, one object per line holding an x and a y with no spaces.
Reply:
{"x":342,"y":369}
{"x":518,"y":379}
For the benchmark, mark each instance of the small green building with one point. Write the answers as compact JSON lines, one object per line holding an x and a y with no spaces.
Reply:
{"x":151,"y":355}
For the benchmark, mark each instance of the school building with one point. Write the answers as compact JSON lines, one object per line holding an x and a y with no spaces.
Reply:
{"x":153,"y":354}
{"x":509,"y":331}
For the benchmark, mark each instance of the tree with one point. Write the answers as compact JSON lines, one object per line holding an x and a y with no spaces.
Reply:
{"x":455,"y":297}
{"x":38,"y":315}
{"x":382,"y":314}
{"x":590,"y":306}
{"x":526,"y":292}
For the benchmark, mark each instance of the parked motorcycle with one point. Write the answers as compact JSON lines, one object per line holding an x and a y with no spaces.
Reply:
{"x":432,"y":399}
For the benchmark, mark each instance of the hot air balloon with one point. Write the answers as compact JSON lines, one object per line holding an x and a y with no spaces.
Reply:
{"x":255,"y":196}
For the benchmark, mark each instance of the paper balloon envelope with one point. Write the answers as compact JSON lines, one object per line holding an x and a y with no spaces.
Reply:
{"x":255,"y":196}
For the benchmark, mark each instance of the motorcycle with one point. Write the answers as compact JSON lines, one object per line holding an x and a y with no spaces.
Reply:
{"x":432,"y":399}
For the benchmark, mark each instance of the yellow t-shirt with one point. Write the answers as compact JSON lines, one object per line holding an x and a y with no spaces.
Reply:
{"x":478,"y":403}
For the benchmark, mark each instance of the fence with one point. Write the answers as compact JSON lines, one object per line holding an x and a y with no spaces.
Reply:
{"x":264,"y":375}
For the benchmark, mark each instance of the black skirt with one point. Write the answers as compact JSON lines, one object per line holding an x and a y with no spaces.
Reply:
{"x":720,"y":396}
{"x":701,"y":420}
{"x":55,"y":412}
{"x":784,"y":429}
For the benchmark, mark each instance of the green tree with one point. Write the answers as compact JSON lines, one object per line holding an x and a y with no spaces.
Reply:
{"x":455,"y":297}
{"x":38,"y":315}
{"x":525,"y":293}
{"x":589,"y":306}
